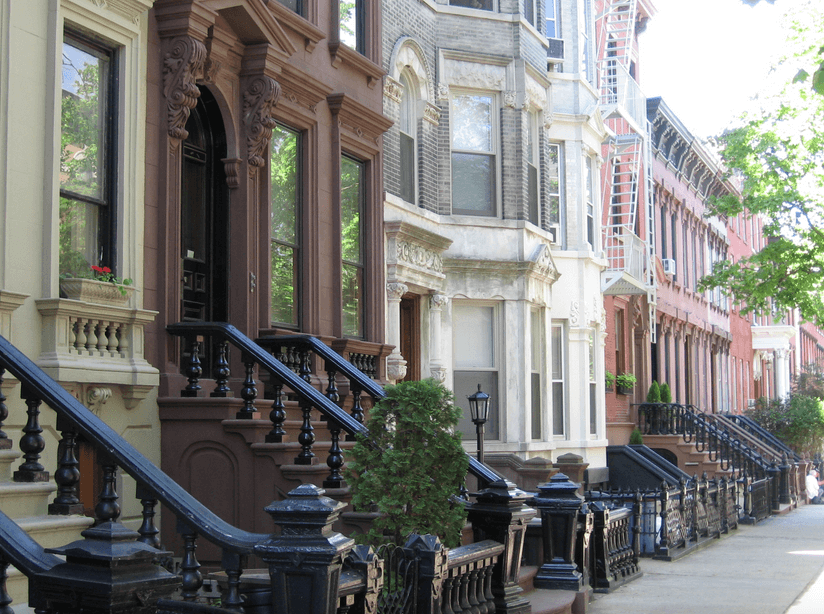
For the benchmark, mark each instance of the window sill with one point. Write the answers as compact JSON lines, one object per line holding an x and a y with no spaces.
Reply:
{"x":101,"y":344}
{"x":343,"y":54}
{"x":312,"y":35}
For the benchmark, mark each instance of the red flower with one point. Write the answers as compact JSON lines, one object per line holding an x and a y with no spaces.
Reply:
{"x":106,"y":269}
{"x":96,"y":269}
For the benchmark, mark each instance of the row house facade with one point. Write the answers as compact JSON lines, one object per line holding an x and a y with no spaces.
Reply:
{"x":490,"y":179}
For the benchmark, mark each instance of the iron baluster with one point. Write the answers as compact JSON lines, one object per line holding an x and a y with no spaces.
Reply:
{"x":472,"y":590}
{"x":446,"y":596}
{"x":490,"y":598}
{"x":306,"y":439}
{"x":5,"y":598}
{"x":31,"y":443}
{"x":663,"y":545}
{"x":457,"y":607}
{"x":465,"y":605}
{"x":193,"y":371}
{"x":190,"y":577}
{"x":249,"y":391}
{"x":233,"y":565}
{"x":5,"y":442}
{"x":107,"y":508}
{"x":67,"y":475}
{"x":331,"y":387}
{"x":357,"y":409}
{"x":149,"y":533}
{"x":335,"y":459}
{"x":222,"y":371}
{"x":277,"y":416}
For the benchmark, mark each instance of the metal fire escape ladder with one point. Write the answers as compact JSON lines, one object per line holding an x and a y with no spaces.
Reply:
{"x":614,"y":45}
{"x":649,"y":190}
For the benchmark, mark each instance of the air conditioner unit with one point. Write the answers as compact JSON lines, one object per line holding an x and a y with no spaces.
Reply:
{"x":669,"y":266}
{"x":554,"y":234}
{"x":555,"y":50}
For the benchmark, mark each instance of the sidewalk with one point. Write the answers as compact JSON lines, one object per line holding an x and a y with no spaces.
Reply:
{"x":771,"y":568}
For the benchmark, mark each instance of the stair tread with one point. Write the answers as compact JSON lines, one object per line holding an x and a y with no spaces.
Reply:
{"x":51,"y":521}
{"x":15,"y":488}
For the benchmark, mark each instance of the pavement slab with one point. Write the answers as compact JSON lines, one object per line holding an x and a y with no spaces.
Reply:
{"x":770,"y":568}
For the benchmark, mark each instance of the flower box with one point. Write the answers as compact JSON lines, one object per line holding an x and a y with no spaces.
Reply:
{"x":96,"y":292}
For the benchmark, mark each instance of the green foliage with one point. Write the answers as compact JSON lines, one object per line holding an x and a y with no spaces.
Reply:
{"x":636,"y":438}
{"x":798,"y":422}
{"x":412,"y":465}
{"x":666,"y":394}
{"x":284,"y":176}
{"x":626,"y":380}
{"x":609,"y":379}
{"x":810,"y":381}
{"x":778,"y":151}
{"x":654,"y":393}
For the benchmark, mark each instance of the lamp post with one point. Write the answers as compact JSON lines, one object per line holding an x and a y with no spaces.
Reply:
{"x":479,"y":412}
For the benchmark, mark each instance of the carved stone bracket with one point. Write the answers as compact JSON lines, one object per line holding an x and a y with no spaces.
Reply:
{"x":392,"y":89}
{"x":96,"y":398}
{"x":231,"y":166}
{"x":259,"y":102}
{"x":443,"y":91}
{"x":431,"y":114}
{"x":182,"y":66}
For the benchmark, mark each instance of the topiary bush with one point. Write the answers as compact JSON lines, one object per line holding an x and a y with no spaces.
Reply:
{"x":654,"y":393}
{"x":636,"y":438}
{"x":411,"y":465}
{"x":666,"y":395}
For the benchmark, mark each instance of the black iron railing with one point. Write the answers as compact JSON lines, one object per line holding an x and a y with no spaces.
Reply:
{"x":756,"y":430}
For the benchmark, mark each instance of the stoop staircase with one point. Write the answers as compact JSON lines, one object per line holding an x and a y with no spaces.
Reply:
{"x":27,"y":504}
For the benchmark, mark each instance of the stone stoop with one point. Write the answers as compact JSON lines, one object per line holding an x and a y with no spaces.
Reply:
{"x":690,"y":460}
{"x":27,"y":504}
{"x":545,"y":601}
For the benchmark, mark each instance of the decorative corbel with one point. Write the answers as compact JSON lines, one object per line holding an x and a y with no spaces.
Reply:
{"x":182,"y":66}
{"x":259,"y":102}
{"x":96,"y":398}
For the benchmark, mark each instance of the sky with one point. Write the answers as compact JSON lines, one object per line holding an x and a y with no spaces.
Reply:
{"x":707,"y":58}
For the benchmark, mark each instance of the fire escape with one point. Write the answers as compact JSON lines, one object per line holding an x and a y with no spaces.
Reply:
{"x":628,"y":230}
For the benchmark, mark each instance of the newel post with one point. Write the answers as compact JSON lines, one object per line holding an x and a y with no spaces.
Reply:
{"x":432,"y":567}
{"x":500,"y":513}
{"x":784,"y":490}
{"x":774,"y":473}
{"x":559,"y":503}
{"x":305,"y":559}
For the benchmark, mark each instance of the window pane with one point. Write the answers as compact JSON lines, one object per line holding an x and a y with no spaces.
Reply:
{"x":351,"y":196}
{"x":532,"y":174}
{"x":473,"y":330}
{"x":485,"y":5}
{"x":466,"y":384}
{"x":558,"y":408}
{"x":549,"y":7}
{"x":83,"y":117}
{"x":557,"y":353}
{"x":529,"y":11}
{"x":284,"y":284}
{"x":352,"y":283}
{"x":473,"y":184}
{"x":78,"y":237}
{"x":472,"y":123}
{"x":536,"y":405}
{"x":407,"y":168}
{"x":285,"y":186}
{"x":294,"y":5}
{"x":349,"y":30}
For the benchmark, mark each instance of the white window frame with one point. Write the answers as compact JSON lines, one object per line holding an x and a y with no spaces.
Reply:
{"x":555,"y":19}
{"x":590,"y":205}
{"x":495,"y":370}
{"x":559,"y":377}
{"x":494,"y":142}
{"x":537,"y":368}
{"x":409,"y":102}
{"x":533,"y":161}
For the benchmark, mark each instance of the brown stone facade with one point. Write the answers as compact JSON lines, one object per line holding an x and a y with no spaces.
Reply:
{"x":252,"y":64}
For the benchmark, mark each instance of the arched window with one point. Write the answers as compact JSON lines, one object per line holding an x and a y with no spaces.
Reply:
{"x":408,"y":131}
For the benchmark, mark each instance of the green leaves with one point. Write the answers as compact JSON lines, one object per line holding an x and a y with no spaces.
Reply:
{"x":412,"y":466}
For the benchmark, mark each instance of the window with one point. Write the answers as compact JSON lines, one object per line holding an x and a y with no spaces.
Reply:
{"x":554,"y":181}
{"x":537,"y":369}
{"x":586,"y":52}
{"x":87,"y":165}
{"x":484,"y":5}
{"x":352,"y":199}
{"x":408,"y":132}
{"x":593,"y":388}
{"x":529,"y":11}
{"x":474,"y":346}
{"x":620,"y":365}
{"x":473,"y":155}
{"x":673,"y":225}
{"x":553,"y":24}
{"x":558,"y":350}
{"x":285,"y":173}
{"x":663,"y":231}
{"x":590,"y":201}
{"x":297,"y":6}
{"x":532,"y":168}
{"x":695,"y":258}
{"x":685,"y":254}
{"x":352,"y":24}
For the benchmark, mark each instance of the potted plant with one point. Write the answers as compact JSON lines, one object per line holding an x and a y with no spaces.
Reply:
{"x":654,"y":393}
{"x":666,"y":394}
{"x":609,"y":380}
{"x":626,"y":382}
{"x":101,"y":287}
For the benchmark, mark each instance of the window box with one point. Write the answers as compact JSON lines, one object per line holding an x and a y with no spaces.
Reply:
{"x":96,"y":292}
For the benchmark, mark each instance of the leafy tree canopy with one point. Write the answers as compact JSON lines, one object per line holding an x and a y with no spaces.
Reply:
{"x":778,"y":153}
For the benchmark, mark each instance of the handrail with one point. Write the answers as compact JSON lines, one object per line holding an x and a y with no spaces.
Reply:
{"x":755,"y":429}
{"x":21,"y":550}
{"x":101,"y":435}
{"x":302,"y":388}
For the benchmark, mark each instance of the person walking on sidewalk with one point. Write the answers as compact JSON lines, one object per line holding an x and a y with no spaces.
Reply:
{"x":814,"y":487}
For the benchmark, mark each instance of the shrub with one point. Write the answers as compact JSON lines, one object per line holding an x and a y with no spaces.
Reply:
{"x":635,"y":438}
{"x":654,"y":394}
{"x":626,"y":380}
{"x":609,"y":379}
{"x":797,"y":421}
{"x":411,"y":466}
{"x":666,"y":395}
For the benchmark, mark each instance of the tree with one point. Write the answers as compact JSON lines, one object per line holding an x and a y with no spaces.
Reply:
{"x":778,"y":153}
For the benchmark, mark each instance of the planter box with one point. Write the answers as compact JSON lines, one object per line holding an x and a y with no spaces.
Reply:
{"x":96,"y":292}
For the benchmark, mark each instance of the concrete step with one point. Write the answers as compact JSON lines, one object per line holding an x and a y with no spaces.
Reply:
{"x":7,"y":462}
{"x":25,"y":499}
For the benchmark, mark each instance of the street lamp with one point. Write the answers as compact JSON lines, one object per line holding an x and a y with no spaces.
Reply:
{"x":479,"y":412}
